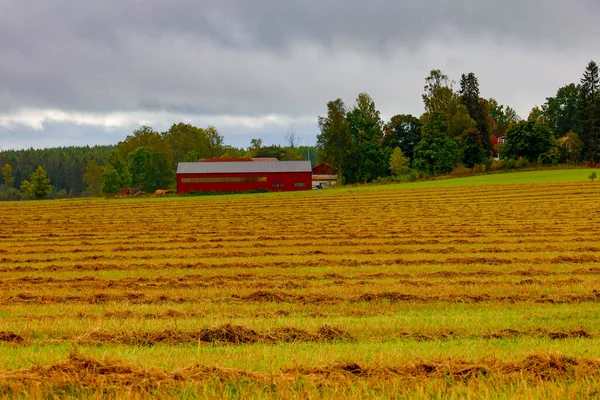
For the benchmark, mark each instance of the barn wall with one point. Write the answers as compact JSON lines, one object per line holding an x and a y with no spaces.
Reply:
{"x":275,"y":182}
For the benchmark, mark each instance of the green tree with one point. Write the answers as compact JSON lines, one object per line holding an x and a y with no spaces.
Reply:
{"x":561,"y":112}
{"x":439,"y":95}
{"x":399,"y":163}
{"x":471,"y":149}
{"x":527,"y":139}
{"x":7,"y":174}
{"x":93,"y":178}
{"x":436,"y":153}
{"x":589,"y":112}
{"x":111,"y":180}
{"x":191,"y":156}
{"x":185,"y":138}
{"x":369,"y":159}
{"x":460,"y":122}
{"x":511,"y":116}
{"x":115,"y":161}
{"x":149,"y":169}
{"x":403,"y":131}
{"x":535,"y":115}
{"x":478,"y":109}
{"x":38,"y":186}
{"x":335,"y":141}
{"x":148,"y":137}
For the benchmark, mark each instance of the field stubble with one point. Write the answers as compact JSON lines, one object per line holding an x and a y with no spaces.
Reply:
{"x":375,"y":290}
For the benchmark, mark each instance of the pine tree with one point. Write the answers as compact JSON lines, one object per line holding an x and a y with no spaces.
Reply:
{"x":477,"y":107}
{"x":589,"y":112}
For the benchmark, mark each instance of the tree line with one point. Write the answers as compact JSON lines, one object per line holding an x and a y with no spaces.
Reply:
{"x":459,"y":128}
{"x":146,"y":159}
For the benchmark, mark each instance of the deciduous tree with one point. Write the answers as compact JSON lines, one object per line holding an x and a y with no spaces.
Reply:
{"x":7,"y":174}
{"x":111,"y":180}
{"x":93,"y":178}
{"x":399,"y":163}
{"x":403,"y":131}
{"x":149,"y":170}
{"x":439,"y":95}
{"x":527,"y":139}
{"x":561,"y":112}
{"x":369,"y":159}
{"x":335,"y":141}
{"x":436,"y":153}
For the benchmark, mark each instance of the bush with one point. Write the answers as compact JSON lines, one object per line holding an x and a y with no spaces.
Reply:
{"x":508,"y":164}
{"x":592,"y":176}
{"x":479,"y":168}
{"x":522,"y":163}
{"x":412,"y":176}
{"x":460,"y":171}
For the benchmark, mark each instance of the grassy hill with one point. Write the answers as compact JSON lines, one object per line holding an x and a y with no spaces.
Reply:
{"x":505,"y":178}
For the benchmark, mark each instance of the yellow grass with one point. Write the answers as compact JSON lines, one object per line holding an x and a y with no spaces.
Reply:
{"x":292,"y":290}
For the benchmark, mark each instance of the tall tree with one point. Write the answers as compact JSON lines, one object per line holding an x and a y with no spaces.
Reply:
{"x":536,"y":115}
{"x":399,"y":163}
{"x":528,"y":139}
{"x":561,"y":112}
{"x":478,"y":108}
{"x":589,"y":112}
{"x":369,"y":160}
{"x":185,"y":138}
{"x":335,"y":141}
{"x":471,"y":149}
{"x":115,"y":161}
{"x":38,"y":186}
{"x":436,"y":153}
{"x":149,"y":170}
{"x":93,"y":178}
{"x":403,"y":131}
{"x":460,"y":122}
{"x":439,"y":95}
{"x":7,"y":174}
{"x":111,"y":180}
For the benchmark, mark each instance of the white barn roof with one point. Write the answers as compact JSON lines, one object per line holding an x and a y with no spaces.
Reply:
{"x":234,"y":167}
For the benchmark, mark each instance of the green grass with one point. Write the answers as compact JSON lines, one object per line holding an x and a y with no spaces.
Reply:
{"x":504,"y":178}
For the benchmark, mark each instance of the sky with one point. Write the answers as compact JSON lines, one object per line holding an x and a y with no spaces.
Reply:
{"x":90,"y":72}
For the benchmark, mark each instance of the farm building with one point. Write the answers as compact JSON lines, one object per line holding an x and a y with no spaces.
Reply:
{"x":243,"y":176}
{"x":324,"y":175}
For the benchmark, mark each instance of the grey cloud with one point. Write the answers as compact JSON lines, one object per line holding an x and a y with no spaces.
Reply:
{"x":251,"y":58}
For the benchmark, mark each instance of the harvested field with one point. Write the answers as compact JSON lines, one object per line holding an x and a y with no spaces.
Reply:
{"x":380,"y":292}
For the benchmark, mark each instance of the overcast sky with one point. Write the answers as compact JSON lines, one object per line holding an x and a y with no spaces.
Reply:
{"x":76,"y":72}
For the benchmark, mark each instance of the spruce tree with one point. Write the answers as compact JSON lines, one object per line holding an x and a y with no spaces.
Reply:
{"x":589,"y":112}
{"x":477,"y":107}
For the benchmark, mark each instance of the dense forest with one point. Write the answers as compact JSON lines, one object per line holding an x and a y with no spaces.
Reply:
{"x":458,"y":130}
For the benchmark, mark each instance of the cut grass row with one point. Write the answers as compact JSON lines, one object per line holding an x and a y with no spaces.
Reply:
{"x":464,"y":273}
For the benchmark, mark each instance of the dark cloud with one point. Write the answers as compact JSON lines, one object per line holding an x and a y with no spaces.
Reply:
{"x":259,"y":57}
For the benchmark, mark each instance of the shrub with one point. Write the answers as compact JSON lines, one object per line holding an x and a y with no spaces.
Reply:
{"x":508,"y":164}
{"x":522,"y":163}
{"x":592,"y":176}
{"x":479,"y":168}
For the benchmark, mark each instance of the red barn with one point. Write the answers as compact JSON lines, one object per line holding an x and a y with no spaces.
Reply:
{"x":243,"y":176}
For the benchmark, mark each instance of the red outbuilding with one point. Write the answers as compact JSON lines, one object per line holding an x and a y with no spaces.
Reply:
{"x":243,"y":176}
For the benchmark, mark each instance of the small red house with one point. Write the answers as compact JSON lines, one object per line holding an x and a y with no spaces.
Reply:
{"x":243,"y":176}
{"x":324,"y":175}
